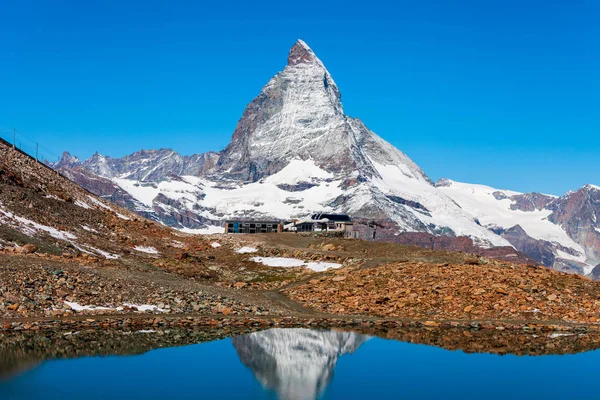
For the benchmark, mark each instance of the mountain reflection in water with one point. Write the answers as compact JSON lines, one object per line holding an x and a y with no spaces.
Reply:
{"x":298,"y":363}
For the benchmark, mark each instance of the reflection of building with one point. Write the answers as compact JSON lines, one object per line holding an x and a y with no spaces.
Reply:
{"x":297,"y":364}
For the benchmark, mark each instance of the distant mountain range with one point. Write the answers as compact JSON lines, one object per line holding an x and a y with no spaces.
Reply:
{"x":295,"y":151}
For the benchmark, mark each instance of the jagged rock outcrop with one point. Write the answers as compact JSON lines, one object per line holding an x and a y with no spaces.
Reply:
{"x":579,"y":214}
{"x":299,"y":114}
{"x":149,"y":165}
{"x":539,"y":250}
{"x":531,"y":201}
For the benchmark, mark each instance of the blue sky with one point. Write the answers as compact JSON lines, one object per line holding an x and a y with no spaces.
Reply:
{"x":505,"y":93}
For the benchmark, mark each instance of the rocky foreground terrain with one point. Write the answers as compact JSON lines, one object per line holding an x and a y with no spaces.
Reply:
{"x":478,"y":290}
{"x":70,"y":259}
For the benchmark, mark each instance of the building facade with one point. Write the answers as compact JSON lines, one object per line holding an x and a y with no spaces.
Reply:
{"x":253,"y":227}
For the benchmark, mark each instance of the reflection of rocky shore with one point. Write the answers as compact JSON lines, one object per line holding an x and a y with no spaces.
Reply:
{"x":20,"y":351}
{"x":500,"y":342}
{"x":296,"y":363}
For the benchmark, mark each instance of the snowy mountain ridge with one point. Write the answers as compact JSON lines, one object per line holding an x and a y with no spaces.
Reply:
{"x":536,"y":216}
{"x":294,"y":152}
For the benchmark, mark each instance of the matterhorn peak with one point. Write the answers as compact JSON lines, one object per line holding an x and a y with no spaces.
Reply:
{"x":296,"y":149}
{"x":300,"y":53}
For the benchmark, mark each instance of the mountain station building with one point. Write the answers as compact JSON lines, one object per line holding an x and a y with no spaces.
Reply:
{"x":253,"y":227}
{"x":316,"y":223}
{"x":324,"y":223}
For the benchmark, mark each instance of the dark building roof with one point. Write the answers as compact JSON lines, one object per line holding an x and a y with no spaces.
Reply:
{"x":247,"y":221}
{"x":332,"y":217}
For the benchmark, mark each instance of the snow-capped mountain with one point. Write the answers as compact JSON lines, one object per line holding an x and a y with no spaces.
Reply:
{"x":149,"y":165}
{"x":293,"y":152}
{"x":562,"y":232}
{"x":299,"y":116}
{"x":297,"y":364}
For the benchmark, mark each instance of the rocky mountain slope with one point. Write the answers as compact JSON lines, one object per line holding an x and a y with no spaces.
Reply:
{"x":561,"y":232}
{"x":295,"y":152}
{"x":38,"y":207}
{"x":64,"y":251}
{"x":67,"y":257}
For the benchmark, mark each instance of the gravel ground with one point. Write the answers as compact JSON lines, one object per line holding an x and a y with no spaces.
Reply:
{"x":486,"y":289}
{"x":33,"y":287}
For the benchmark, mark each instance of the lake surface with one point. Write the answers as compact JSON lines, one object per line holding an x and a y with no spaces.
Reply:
{"x":297,"y":364}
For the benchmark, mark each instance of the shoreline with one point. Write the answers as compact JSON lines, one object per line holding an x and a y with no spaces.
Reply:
{"x":119,"y":321}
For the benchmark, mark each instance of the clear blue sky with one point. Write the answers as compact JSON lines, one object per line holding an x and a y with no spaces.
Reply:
{"x":504,"y":92}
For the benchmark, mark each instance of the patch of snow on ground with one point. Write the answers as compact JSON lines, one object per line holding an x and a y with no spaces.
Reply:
{"x":246,"y":249}
{"x":82,"y":204}
{"x":123,"y":217}
{"x":597,"y":230}
{"x":214,"y":245}
{"x":30,"y":227}
{"x":278,"y":261}
{"x":209,"y":230}
{"x":146,"y":249}
{"x":51,"y":196}
{"x":87,"y":228}
{"x":105,"y":254}
{"x":557,"y":335}
{"x":318,"y":266}
{"x":78,"y":307}
{"x":144,"y":307}
{"x":99,"y":203}
{"x":141,"y":308}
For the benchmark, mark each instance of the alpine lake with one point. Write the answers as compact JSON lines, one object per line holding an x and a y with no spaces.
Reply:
{"x":297,"y":363}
